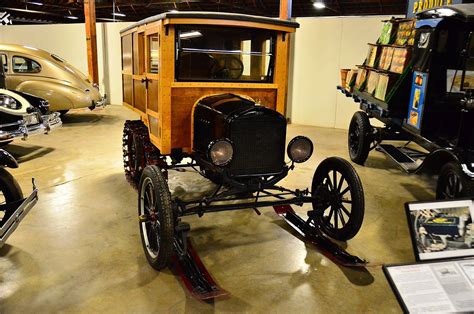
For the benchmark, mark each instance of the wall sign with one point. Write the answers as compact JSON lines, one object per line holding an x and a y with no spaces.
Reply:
{"x":417,"y":99}
{"x":5,"y":18}
{"x":415,"y":6}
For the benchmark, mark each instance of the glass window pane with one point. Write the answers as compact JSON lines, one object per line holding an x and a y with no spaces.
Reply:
{"x":210,"y":53}
{"x":5,"y":63}
{"x":25,"y":65}
{"x":153,"y":53}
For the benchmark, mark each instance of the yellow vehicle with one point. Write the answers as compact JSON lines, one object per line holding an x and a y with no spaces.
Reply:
{"x":48,"y":76}
{"x":210,"y":89}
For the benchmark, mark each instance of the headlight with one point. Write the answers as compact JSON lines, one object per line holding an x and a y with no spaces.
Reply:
{"x":220,"y":152}
{"x":300,"y":149}
{"x":9,"y":102}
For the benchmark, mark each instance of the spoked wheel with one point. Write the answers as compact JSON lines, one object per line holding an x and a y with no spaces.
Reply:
{"x":227,"y":67}
{"x":156,"y":217}
{"x":133,"y":151}
{"x":359,"y":138}
{"x":453,"y":183}
{"x":339,"y":211}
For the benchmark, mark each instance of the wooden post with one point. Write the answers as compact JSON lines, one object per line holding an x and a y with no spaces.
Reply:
{"x":285,"y":9}
{"x":91,"y":38}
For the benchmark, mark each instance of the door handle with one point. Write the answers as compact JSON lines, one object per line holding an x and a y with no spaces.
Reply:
{"x":144,"y":80}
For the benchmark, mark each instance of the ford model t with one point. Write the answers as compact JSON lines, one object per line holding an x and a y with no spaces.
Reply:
{"x":210,"y":89}
{"x":430,"y":102}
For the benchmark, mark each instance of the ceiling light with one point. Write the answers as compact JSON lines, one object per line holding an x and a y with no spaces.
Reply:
{"x":118,"y":14}
{"x":71,"y":17}
{"x":173,"y":11}
{"x":34,"y":2}
{"x":319,"y":5}
{"x":192,"y":34}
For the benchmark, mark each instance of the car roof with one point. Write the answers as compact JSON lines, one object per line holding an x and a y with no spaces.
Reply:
{"x":214,"y":16}
{"x":26,"y":50}
{"x":464,"y":12}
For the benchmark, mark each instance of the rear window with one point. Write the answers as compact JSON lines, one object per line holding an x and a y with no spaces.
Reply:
{"x":25,"y":65}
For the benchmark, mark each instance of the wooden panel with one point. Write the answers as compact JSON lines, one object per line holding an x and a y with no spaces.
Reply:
{"x":138,"y":53}
{"x":152,"y":95}
{"x":127,"y":53}
{"x":127,"y":89}
{"x":139,"y":95}
{"x":281,"y":71}
{"x":183,"y":101}
{"x":91,"y":40}
{"x":229,"y":23}
{"x":154,"y":126}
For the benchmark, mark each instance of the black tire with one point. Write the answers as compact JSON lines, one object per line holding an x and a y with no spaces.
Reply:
{"x":133,"y":151}
{"x":359,"y":137}
{"x":341,"y":199}
{"x":154,"y":203}
{"x":453,"y":182}
{"x":63,"y":112}
{"x":9,"y":188}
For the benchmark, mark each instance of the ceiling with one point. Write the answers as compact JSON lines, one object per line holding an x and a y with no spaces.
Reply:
{"x":71,"y":11}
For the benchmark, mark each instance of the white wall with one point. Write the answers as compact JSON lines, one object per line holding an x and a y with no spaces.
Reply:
{"x":69,"y":42}
{"x":321,"y":47}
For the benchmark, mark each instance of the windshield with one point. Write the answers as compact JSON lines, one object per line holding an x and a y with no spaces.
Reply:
{"x":210,"y":53}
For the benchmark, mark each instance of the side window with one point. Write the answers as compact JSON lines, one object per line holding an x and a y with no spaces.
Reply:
{"x":25,"y":65}
{"x":153,"y":54}
{"x":4,"y":62}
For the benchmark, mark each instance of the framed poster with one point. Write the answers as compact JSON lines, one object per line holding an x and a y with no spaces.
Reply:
{"x":417,"y":99}
{"x":441,"y":229}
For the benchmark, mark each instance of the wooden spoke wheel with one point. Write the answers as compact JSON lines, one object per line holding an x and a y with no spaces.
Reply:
{"x":228,"y":67}
{"x":359,"y":137}
{"x":155,"y":217}
{"x":133,"y":151}
{"x":338,"y":187}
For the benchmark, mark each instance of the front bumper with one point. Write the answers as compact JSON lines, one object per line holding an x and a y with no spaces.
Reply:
{"x":102,"y":102}
{"x":14,"y":214}
{"x":31,"y":124}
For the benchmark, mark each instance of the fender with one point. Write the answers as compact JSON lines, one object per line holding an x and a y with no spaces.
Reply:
{"x":7,"y":160}
{"x":437,"y":159}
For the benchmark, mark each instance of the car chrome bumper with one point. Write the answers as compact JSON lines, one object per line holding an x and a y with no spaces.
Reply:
{"x":14,"y":214}
{"x":31,"y":124}
{"x":102,"y":102}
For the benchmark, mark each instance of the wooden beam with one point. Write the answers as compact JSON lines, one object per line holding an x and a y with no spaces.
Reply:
{"x":285,"y":9}
{"x":91,"y":39}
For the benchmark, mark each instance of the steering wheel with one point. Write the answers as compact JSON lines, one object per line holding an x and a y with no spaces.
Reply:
{"x":227,"y":67}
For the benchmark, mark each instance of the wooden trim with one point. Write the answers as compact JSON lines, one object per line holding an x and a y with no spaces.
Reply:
{"x":127,"y":73}
{"x":155,"y":140}
{"x":152,"y":113}
{"x":127,"y":105}
{"x":228,"y":23}
{"x":130,"y":31}
{"x":150,"y":30}
{"x":138,"y":76}
{"x":281,"y":72}
{"x":152,"y":76}
{"x":223,"y":85}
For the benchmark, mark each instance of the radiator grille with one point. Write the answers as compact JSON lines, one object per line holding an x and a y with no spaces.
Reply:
{"x":259,"y":143}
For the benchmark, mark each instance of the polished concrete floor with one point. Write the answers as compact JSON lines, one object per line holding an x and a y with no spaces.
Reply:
{"x":79,"y":249}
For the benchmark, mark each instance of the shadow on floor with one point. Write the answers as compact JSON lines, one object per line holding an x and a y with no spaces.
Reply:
{"x":27,"y":153}
{"x":80,"y":117}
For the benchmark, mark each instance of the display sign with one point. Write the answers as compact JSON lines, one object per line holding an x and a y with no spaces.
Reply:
{"x":415,"y":6}
{"x":436,"y":287}
{"x":417,"y":99}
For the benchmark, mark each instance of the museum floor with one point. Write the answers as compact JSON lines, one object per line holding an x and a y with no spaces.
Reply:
{"x":79,"y":249}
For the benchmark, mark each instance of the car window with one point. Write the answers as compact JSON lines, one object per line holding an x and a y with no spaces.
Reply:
{"x":4,"y":62}
{"x":25,"y":65}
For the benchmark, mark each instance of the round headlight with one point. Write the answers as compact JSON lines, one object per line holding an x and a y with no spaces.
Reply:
{"x":9,"y":102}
{"x":300,"y":149}
{"x":221,"y":152}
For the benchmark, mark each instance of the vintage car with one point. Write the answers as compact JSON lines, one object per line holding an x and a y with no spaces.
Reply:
{"x":435,"y":114}
{"x":210,"y":90}
{"x":48,"y":76}
{"x":22,"y":114}
{"x":13,"y":206}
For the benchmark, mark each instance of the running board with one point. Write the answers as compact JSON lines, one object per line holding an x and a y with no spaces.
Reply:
{"x":400,"y":157}
{"x":191,"y":269}
{"x":313,"y":235}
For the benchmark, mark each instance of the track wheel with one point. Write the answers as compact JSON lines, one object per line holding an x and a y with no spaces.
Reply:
{"x":133,"y":151}
{"x":155,"y":217}
{"x":453,"y":183}
{"x":339,"y":211}
{"x":359,"y":138}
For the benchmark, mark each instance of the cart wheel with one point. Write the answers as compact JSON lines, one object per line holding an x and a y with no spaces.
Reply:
{"x":359,"y":138}
{"x":453,"y":183}
{"x":156,"y":217}
{"x":133,"y":151}
{"x":340,"y":209}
